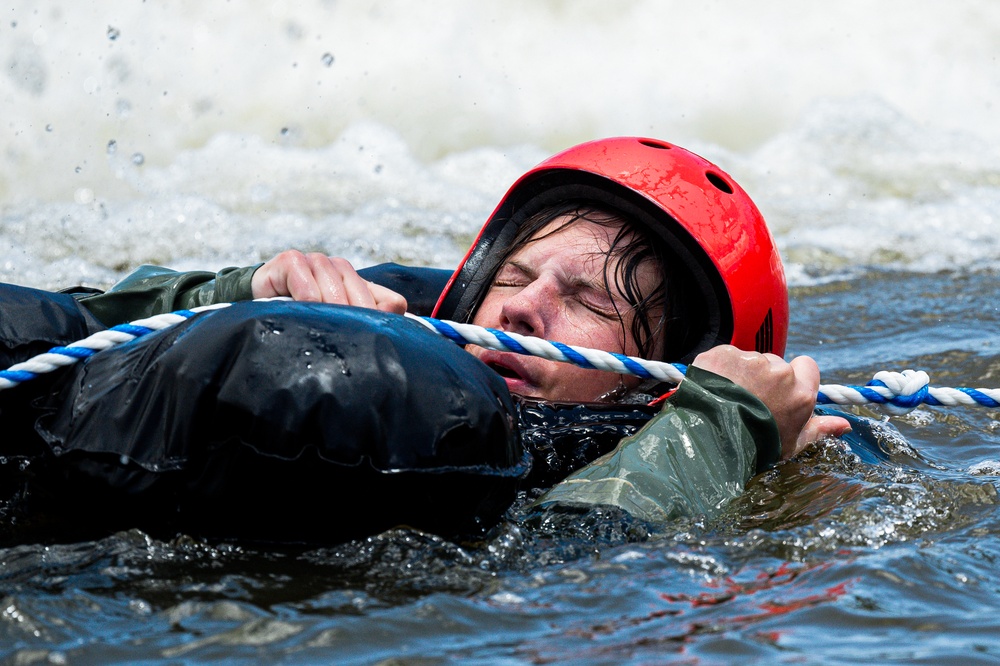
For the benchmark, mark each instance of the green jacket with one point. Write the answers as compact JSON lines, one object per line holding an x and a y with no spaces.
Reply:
{"x":153,"y":290}
{"x":690,"y":459}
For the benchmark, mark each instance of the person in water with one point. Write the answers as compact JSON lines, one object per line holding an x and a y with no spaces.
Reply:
{"x":629,"y":244}
{"x":583,"y":272}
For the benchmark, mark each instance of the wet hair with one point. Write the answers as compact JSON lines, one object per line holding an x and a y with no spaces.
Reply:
{"x":631,"y":247}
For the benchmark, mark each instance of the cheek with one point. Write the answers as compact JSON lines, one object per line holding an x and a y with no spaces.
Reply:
{"x":602,"y":334}
{"x":487,"y":314}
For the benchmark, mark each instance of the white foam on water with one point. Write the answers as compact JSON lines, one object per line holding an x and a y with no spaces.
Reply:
{"x":857,"y":184}
{"x":209,"y":134}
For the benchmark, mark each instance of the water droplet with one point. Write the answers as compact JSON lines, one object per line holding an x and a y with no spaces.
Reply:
{"x":327,"y":59}
{"x":112,"y":147}
{"x":48,"y":128}
{"x":138,"y":159}
{"x":113,"y":33}
{"x":284,"y":131}
{"x":78,"y":170}
{"x":378,"y":168}
{"x":123,"y":460}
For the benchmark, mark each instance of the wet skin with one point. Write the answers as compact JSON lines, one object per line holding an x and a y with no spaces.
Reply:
{"x":554,"y":288}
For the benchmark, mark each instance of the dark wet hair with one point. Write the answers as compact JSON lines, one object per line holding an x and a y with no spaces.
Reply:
{"x":631,"y":247}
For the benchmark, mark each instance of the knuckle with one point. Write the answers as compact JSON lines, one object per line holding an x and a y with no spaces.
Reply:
{"x":339,"y":263}
{"x":315,"y":259}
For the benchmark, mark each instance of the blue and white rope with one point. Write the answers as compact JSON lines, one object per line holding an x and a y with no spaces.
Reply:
{"x":901,"y":392}
{"x":491,"y":338}
{"x":59,"y":357}
{"x":897,"y":392}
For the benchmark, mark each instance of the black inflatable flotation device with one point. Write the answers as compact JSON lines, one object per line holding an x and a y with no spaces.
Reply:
{"x":272,"y":421}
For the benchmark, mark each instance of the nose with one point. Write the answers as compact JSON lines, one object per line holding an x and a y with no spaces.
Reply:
{"x":528,"y":311}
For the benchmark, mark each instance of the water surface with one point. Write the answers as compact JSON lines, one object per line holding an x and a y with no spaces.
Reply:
{"x":201,"y":136}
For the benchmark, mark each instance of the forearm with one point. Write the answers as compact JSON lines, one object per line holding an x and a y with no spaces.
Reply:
{"x":691,"y":459}
{"x":152,"y":290}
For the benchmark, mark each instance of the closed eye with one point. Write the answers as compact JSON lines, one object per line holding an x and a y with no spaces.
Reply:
{"x":603,"y":309}
{"x":512,"y":275}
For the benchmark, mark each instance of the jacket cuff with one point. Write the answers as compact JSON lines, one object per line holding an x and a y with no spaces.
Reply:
{"x":233,"y":284}
{"x":756,"y":417}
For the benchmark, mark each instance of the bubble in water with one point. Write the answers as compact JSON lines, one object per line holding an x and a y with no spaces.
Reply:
{"x":327,"y":59}
{"x":113,"y":33}
{"x":48,"y":128}
{"x":112,"y":147}
{"x":138,"y":159}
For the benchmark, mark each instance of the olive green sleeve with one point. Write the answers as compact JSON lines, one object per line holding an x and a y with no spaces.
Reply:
{"x":152,"y":290}
{"x":691,"y":459}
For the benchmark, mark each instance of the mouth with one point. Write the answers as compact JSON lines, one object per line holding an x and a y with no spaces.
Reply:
{"x":504,"y":371}
{"x":512,"y":371}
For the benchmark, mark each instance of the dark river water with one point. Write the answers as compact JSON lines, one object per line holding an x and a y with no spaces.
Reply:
{"x":825,"y":559}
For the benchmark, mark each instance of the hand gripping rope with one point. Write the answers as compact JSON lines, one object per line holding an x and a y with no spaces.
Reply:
{"x":897,"y":392}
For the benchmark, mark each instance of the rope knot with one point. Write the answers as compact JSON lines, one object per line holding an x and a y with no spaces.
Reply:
{"x":908,"y":389}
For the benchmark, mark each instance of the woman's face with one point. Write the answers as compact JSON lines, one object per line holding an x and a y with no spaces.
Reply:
{"x":554,"y":288}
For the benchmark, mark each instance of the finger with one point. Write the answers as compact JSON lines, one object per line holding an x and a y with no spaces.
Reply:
{"x":806,"y":371}
{"x":821,"y":427}
{"x":287,"y":274}
{"x":342,"y":284}
{"x":386,"y":299}
{"x":723,"y":359}
{"x":300,"y":279}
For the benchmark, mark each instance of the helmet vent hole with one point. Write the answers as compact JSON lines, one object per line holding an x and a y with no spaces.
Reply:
{"x":655,"y":144}
{"x":719,"y":182}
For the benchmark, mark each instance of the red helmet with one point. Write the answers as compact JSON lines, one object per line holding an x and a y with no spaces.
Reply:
{"x":735,"y":284}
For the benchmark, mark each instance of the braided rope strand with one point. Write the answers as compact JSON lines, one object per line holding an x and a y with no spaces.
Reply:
{"x":59,"y":357}
{"x":896,"y":392}
{"x":583,"y":357}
